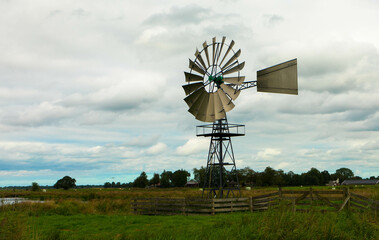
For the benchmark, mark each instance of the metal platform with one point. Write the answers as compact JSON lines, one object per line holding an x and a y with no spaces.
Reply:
{"x":227,"y":130}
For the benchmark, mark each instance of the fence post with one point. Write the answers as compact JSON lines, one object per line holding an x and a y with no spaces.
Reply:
{"x":311,"y":196}
{"x":134,"y":206}
{"x":213,"y":207}
{"x":294,"y":205}
{"x":155,"y":206}
{"x":251,"y":204}
{"x":184,"y":206}
{"x":280,"y":193}
{"x":346,"y":193}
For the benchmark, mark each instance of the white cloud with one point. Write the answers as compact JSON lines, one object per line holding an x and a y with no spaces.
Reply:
{"x":193,"y":146}
{"x":282,"y":165}
{"x":44,"y":113}
{"x":157,"y":148}
{"x":268,"y":153}
{"x":150,"y":33}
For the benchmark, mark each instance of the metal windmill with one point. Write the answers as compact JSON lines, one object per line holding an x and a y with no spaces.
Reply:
{"x":210,"y":95}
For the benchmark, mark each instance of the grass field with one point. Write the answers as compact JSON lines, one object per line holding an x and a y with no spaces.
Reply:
{"x":105,"y":214}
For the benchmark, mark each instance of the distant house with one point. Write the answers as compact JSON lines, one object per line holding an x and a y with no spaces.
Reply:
{"x":361,"y":182}
{"x":333,"y":183}
{"x":192,"y":183}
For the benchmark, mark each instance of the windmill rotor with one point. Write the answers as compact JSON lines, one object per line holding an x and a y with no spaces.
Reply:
{"x":209,"y":94}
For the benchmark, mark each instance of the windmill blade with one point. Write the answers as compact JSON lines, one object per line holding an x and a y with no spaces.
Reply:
{"x":198,"y":56}
{"x":281,"y":78}
{"x":214,"y":50}
{"x":210,"y":116}
{"x":234,"y":80}
{"x":234,"y":57}
{"x":219,"y":109}
{"x":227,"y":51}
{"x":194,"y":109}
{"x":205,"y":46}
{"x":195,"y":67}
{"x":202,"y":111}
{"x":235,"y":69}
{"x":190,"y":99}
{"x":192,"y":87}
{"x":226,"y":102}
{"x":220,"y":115}
{"x":233,"y":93}
{"x":190,"y":77}
{"x":219,"y":53}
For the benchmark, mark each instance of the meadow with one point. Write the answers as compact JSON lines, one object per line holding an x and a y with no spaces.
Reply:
{"x":106,"y":214}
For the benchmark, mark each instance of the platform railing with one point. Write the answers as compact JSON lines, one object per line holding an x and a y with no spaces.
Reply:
{"x":234,"y":129}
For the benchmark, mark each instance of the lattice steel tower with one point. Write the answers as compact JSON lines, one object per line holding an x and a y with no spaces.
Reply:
{"x":221,"y":179}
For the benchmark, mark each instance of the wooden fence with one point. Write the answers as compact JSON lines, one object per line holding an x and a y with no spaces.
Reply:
{"x":308,"y":200}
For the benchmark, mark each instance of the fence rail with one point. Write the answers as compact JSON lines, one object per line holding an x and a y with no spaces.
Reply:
{"x":301,"y":201}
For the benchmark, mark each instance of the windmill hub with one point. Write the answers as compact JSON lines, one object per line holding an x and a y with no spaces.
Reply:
{"x":217,"y":80}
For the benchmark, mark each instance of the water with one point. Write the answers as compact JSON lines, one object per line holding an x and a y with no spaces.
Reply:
{"x":8,"y":201}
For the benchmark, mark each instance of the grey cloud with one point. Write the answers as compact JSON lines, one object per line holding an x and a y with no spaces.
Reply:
{"x":235,"y":30}
{"x":143,"y":141}
{"x":42,"y":114}
{"x":55,"y":12}
{"x":112,"y":100}
{"x":271,"y":20}
{"x":80,"y":12}
{"x":178,"y":16}
{"x":338,"y":66}
{"x":327,"y":103}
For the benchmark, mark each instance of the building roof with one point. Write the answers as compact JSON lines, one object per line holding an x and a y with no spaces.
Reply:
{"x":361,"y":182}
{"x":192,"y":182}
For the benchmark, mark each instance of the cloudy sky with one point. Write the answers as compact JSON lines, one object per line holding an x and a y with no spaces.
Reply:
{"x":92,"y":89}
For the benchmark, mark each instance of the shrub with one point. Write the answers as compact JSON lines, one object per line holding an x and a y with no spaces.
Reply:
{"x":35,"y":187}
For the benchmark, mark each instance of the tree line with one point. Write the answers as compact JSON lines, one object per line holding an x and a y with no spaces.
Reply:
{"x":272,"y":177}
{"x":246,"y":177}
{"x":165,"y":179}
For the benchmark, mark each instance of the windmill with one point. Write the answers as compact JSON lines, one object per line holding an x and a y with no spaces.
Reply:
{"x":213,"y":83}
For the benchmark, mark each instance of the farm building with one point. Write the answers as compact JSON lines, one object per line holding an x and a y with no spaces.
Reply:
{"x":192,"y":183}
{"x":333,"y":183}
{"x":361,"y":182}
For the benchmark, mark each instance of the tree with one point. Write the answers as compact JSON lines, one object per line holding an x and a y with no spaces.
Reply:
{"x":166,"y":178}
{"x":199,"y":175}
{"x":65,"y":183}
{"x":155,"y":180}
{"x":270,"y":177}
{"x":179,"y":178}
{"x":35,"y":187}
{"x":107,"y":185}
{"x":141,"y":181}
{"x":246,"y":176}
{"x":325,"y":177}
{"x":343,"y":174}
{"x":312,"y":177}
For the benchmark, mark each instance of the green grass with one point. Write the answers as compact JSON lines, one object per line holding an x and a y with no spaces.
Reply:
{"x":264,"y":225}
{"x":105,"y":214}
